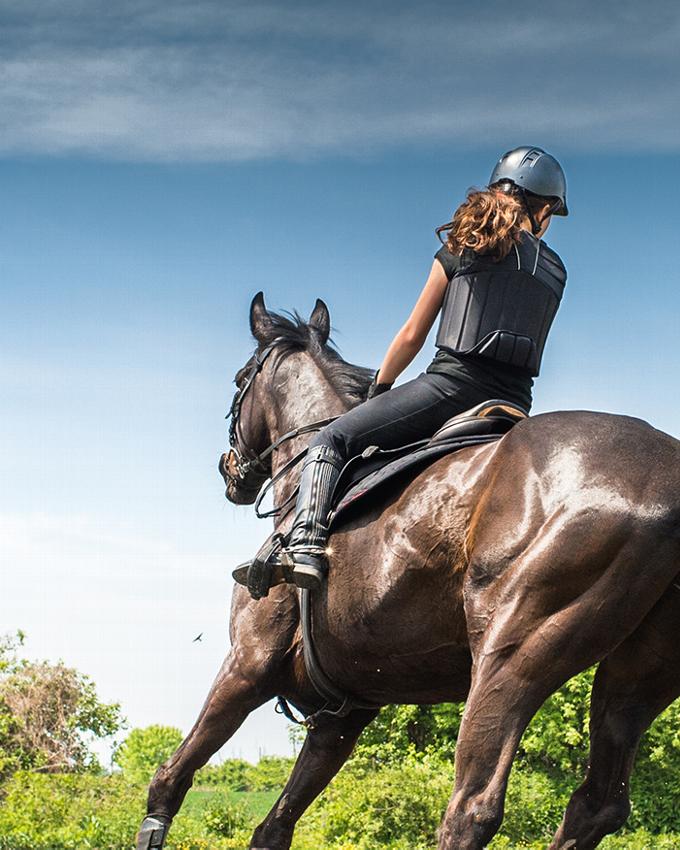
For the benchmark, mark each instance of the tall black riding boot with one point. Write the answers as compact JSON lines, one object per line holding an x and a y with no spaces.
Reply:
{"x":306,"y":550}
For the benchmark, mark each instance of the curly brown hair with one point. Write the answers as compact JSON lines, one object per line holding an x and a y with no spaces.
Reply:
{"x":489,"y":222}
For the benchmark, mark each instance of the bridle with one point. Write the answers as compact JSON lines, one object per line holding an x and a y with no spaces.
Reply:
{"x":249,"y":463}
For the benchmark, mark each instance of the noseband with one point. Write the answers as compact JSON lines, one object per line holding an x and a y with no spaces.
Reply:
{"x":248,"y":462}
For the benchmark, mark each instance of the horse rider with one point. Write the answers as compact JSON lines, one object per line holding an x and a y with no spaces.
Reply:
{"x":498,"y":286}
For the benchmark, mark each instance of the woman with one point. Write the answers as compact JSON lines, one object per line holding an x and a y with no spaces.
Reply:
{"x":498,"y":287}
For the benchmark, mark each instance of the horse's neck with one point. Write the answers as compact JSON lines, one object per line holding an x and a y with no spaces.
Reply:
{"x":304,"y":395}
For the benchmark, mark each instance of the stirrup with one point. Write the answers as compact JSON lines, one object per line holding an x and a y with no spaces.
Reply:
{"x":266,"y":569}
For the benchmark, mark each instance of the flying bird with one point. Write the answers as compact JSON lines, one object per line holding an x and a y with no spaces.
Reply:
{"x":197,"y":638}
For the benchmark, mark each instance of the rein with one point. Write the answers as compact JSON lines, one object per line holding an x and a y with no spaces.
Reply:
{"x":293,"y":462}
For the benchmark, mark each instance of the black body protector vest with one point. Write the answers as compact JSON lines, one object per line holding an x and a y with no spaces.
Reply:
{"x":503,"y":310}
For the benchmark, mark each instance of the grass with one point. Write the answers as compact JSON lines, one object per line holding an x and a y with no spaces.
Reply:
{"x":258,"y":802}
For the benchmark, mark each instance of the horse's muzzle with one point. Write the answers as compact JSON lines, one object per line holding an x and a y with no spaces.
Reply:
{"x":238,"y":491}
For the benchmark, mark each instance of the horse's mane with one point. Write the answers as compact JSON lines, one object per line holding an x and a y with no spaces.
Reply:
{"x":293,"y":333}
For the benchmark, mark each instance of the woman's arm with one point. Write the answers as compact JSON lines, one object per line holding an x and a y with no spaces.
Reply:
{"x":410,"y":338}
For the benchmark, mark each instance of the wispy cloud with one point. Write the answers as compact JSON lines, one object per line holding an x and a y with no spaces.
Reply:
{"x":219,"y":81}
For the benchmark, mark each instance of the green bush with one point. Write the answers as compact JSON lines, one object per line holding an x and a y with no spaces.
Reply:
{"x":269,"y":774}
{"x":50,"y":714}
{"x":225,"y":818}
{"x":69,"y":812}
{"x":556,"y":740}
{"x":534,"y":807}
{"x":234,"y":774}
{"x":655,"y":785}
{"x":397,"y":806}
{"x":87,"y":812}
{"x":144,"y":750}
{"x":401,"y":730}
{"x":401,"y":806}
{"x":641,"y":840}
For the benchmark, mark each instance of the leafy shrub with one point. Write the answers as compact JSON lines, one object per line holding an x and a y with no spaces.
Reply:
{"x":88,"y":812}
{"x":144,"y":750}
{"x":655,"y":785}
{"x":234,"y":774}
{"x":641,"y":840}
{"x":269,"y":774}
{"x":397,"y":806}
{"x":556,"y":740}
{"x":49,"y":714}
{"x":402,"y":730}
{"x":225,"y":818}
{"x":534,"y":807}
{"x":69,"y":812}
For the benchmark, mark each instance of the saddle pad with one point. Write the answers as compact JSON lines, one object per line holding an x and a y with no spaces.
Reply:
{"x":410,"y":459}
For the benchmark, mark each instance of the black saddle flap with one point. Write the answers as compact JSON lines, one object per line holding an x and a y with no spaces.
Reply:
{"x":370,"y":470}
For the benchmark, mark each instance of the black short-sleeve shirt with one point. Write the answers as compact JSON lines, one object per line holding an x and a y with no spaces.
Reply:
{"x":450,"y":262}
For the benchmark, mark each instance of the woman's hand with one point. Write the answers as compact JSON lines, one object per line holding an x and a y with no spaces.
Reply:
{"x":377,"y":387}
{"x":410,"y":338}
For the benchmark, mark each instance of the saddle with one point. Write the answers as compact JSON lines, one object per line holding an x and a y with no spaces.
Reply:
{"x":364,"y":474}
{"x":368,"y":473}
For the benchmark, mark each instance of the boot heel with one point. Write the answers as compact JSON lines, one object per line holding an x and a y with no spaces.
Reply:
{"x":309,"y":571}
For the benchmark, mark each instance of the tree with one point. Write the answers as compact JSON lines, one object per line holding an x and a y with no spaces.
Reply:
{"x":49,"y":714}
{"x":144,"y":750}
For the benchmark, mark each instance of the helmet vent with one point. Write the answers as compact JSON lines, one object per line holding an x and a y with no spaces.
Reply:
{"x":531,"y":158}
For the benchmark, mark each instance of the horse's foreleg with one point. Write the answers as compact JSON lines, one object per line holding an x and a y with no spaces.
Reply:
{"x":632,"y":686}
{"x":324,"y":752}
{"x":231,"y":699}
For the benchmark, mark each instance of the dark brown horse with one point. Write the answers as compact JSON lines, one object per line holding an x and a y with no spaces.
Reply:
{"x":494,"y":576}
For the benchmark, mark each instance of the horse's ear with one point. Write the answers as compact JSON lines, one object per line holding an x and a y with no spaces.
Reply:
{"x":321,"y":320}
{"x":260,"y":323}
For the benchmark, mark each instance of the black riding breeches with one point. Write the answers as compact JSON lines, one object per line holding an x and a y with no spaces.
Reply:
{"x":412,"y":411}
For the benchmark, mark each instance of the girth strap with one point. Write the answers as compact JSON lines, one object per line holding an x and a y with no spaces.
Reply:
{"x":344,"y":703}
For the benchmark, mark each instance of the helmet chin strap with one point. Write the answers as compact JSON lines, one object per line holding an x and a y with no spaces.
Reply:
{"x":535,"y":226}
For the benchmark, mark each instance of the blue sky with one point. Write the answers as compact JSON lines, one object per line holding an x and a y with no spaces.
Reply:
{"x":160,"y":163}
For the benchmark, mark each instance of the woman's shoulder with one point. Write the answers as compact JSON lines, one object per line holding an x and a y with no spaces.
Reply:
{"x":450,"y":262}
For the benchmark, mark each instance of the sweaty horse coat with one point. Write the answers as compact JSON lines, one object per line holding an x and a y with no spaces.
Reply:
{"x":497,"y":574}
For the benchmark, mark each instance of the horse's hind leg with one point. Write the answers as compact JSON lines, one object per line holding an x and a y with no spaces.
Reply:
{"x":632,"y":686}
{"x":230,"y":700}
{"x":324,"y":752}
{"x":529,"y":635}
